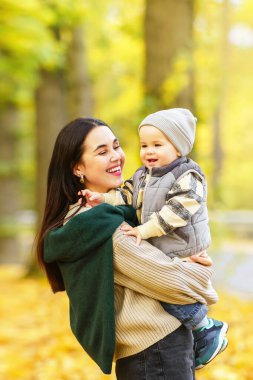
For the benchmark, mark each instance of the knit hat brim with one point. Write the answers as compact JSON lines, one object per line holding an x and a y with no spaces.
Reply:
{"x":178,"y":125}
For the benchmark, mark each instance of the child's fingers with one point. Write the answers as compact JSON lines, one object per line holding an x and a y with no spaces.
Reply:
{"x":207,"y":261}
{"x":129,"y":233}
{"x":94,"y":197}
{"x":126,"y":228}
{"x":138,"y":240}
{"x":85,"y":192}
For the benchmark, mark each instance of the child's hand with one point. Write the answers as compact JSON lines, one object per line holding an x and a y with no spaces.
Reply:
{"x":202,"y":258}
{"x":132,"y":231}
{"x":92,"y":198}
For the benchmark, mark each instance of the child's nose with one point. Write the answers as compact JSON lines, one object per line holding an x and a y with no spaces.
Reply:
{"x":150,"y":150}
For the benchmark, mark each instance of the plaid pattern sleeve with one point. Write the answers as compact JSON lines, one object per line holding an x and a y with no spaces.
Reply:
{"x":121,"y":196}
{"x":183,"y":200}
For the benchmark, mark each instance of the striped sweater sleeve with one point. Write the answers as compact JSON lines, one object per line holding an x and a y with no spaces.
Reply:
{"x":120,"y":196}
{"x":183,"y":200}
{"x":145,"y":269}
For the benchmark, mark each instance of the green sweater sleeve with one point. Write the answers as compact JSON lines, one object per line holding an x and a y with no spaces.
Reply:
{"x":85,"y":232}
{"x":82,"y":248}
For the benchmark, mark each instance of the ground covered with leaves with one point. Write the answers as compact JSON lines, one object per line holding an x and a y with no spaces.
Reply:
{"x":36,"y":342}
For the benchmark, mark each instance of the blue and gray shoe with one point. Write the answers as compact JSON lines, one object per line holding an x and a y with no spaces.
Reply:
{"x":209,"y":341}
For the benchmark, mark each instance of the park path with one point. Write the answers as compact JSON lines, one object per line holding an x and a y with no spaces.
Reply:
{"x":233,"y":267}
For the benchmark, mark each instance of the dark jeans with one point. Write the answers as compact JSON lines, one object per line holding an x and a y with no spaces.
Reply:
{"x":172,"y":358}
{"x":189,"y":315}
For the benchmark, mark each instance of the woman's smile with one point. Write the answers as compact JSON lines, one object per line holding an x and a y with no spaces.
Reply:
{"x":115,"y":170}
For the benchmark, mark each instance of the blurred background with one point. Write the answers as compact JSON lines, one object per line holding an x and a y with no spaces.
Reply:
{"x":120,"y":60}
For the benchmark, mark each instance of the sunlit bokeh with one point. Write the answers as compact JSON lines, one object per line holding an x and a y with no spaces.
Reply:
{"x":61,"y":59}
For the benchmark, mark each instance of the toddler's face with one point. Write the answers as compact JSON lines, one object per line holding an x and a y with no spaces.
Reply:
{"x":156,"y":149}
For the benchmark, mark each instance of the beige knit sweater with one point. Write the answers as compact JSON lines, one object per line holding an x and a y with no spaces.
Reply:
{"x":143,"y":276}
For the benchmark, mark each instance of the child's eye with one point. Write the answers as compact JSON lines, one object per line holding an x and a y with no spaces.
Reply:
{"x":158,"y":144}
{"x":143,"y":146}
{"x":117,"y":147}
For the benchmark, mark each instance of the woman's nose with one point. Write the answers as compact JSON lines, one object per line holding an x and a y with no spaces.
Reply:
{"x":115,"y":156}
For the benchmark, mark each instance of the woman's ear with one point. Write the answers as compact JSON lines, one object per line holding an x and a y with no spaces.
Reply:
{"x":76,"y":171}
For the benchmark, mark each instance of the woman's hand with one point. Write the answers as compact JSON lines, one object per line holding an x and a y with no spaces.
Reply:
{"x":201,"y":258}
{"x":92,"y":198}
{"x":132,"y":231}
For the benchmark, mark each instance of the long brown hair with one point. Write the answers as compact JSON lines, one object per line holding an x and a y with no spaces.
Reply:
{"x":62,"y":187}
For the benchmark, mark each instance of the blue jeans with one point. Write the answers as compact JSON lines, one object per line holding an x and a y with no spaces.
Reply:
{"x":189,"y":315}
{"x":172,"y":358}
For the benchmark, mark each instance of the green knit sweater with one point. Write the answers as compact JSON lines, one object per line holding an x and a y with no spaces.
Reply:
{"x":82,"y":249}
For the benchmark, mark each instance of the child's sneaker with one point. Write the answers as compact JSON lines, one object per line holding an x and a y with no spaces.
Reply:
{"x":209,"y":341}
{"x":224,"y":345}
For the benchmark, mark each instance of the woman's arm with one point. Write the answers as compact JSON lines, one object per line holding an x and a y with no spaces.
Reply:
{"x":147,"y":270}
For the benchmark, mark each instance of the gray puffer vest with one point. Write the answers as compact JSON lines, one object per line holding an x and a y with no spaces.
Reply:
{"x":183,"y":241}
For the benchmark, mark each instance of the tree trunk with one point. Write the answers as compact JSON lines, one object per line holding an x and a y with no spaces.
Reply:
{"x":61,"y":97}
{"x":50,"y":118}
{"x":10,"y":194}
{"x":80,"y":102}
{"x":168,"y":36}
{"x":218,"y":113}
{"x":50,"y":108}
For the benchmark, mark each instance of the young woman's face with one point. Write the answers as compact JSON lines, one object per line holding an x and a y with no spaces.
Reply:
{"x":102,"y":161}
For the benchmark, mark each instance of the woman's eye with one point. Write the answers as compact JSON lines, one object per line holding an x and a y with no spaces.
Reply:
{"x":117,"y":147}
{"x":102,"y":153}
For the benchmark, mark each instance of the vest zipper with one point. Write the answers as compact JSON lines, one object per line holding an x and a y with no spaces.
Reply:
{"x":148,"y":178}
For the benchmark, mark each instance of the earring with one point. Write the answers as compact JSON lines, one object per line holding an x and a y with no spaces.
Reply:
{"x":81,"y":178}
{"x":179,"y":154}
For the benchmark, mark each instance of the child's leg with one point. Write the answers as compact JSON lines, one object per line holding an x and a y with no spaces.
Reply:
{"x":209,"y":334}
{"x":191,"y":316}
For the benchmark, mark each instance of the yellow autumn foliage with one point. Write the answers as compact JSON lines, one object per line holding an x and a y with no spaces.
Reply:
{"x":36,"y":342}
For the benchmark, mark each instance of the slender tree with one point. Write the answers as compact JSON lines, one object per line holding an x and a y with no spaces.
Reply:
{"x":79,"y":92}
{"x":218,"y":153}
{"x":169,"y":43}
{"x":63,"y":94}
{"x":50,"y":118}
{"x":10,"y":197}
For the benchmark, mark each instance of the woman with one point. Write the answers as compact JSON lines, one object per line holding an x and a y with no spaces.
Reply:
{"x":75,"y":248}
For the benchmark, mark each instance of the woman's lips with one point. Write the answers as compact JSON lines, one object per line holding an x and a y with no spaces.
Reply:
{"x":116,"y":171}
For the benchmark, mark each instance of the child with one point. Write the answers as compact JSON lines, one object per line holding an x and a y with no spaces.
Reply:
{"x":169,"y":193}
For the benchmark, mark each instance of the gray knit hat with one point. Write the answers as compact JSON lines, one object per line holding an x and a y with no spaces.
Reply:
{"x":178,"y":124}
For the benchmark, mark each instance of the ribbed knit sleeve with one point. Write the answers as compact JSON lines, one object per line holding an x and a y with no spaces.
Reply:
{"x":147,"y":270}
